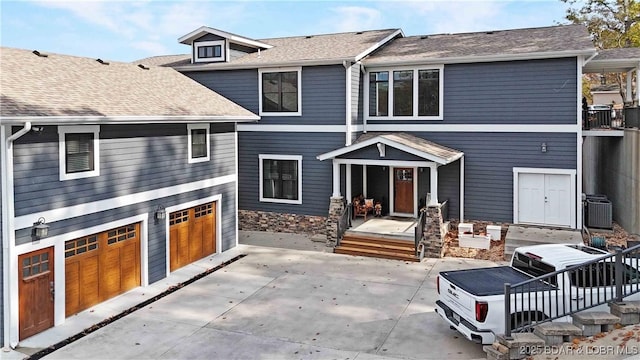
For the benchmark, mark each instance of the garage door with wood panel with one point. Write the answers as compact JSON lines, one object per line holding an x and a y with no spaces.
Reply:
{"x":192,"y":234}
{"x":544,"y":199}
{"x":101,"y":266}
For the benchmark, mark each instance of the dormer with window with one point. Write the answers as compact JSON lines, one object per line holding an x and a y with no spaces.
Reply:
{"x":210,"y":45}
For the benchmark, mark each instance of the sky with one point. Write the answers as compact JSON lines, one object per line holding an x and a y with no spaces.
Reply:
{"x":131,"y":30}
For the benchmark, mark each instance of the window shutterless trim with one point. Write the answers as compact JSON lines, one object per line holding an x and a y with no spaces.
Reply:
{"x":280,"y":70}
{"x":416,"y":98}
{"x":298,"y":158}
{"x":199,"y":44}
{"x":62,"y":151}
{"x":190,"y":128}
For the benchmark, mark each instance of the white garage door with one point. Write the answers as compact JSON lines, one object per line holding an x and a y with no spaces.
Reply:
{"x":544,"y":199}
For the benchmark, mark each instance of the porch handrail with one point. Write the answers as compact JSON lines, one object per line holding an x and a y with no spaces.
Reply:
{"x":584,"y":286}
{"x":344,"y":222}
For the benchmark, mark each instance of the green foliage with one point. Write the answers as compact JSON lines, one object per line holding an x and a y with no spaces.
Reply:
{"x":612,"y":23}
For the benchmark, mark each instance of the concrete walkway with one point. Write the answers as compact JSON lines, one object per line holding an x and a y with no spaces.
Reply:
{"x":275,"y":303}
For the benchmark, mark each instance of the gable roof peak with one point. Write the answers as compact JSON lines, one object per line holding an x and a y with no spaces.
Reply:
{"x":204,"y":30}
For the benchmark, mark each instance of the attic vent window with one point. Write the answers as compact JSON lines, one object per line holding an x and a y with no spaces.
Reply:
{"x":141,"y":66}
{"x":308,"y":37}
{"x":489,"y":32}
{"x":102,"y":62}
{"x":38,"y":53}
{"x":359,"y":33}
{"x":209,"y":51}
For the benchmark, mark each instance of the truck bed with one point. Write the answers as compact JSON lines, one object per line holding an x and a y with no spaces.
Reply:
{"x":487,"y":281}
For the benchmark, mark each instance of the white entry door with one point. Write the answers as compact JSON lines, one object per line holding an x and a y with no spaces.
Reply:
{"x":544,"y":199}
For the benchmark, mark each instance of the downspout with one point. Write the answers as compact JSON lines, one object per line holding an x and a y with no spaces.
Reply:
{"x":8,"y":231}
{"x":347,"y":72}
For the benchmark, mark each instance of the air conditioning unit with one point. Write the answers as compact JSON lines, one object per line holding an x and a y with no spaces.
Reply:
{"x":599,"y":213}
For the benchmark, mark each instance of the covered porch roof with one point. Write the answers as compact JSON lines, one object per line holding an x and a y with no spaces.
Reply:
{"x":414,"y":145}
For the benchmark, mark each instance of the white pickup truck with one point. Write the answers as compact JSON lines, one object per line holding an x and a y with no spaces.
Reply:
{"x":472,"y":301}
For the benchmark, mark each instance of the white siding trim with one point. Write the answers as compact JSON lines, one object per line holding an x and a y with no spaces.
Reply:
{"x":298,"y":69}
{"x":191,"y":127}
{"x":348,"y":85}
{"x":25,"y":221}
{"x":281,"y":157}
{"x":187,"y":205}
{"x":62,"y":131}
{"x":499,"y":128}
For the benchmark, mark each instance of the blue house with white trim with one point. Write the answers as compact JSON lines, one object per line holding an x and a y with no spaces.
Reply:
{"x":113,"y":175}
{"x":368,"y":112}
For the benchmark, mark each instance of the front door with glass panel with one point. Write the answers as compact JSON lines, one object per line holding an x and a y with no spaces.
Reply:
{"x":403,"y":190}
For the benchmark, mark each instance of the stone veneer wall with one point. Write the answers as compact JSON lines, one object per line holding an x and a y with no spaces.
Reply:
{"x":277,"y":222}
{"x":336,"y":207}
{"x":434,"y":232}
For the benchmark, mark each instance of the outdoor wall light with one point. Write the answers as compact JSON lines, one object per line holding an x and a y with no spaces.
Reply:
{"x":543,"y":147}
{"x":37,"y":129}
{"x":161,"y":213}
{"x":40,"y":229}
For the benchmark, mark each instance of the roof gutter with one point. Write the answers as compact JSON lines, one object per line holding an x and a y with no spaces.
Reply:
{"x":475,"y":59}
{"x":106,"y":120}
{"x":8,"y":235}
{"x":212,"y":67}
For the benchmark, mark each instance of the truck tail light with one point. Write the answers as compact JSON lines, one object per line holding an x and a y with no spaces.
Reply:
{"x":482,"y":308}
{"x":438,"y":284}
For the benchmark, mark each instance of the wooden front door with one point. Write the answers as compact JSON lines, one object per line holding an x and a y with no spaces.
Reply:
{"x":192,"y":235}
{"x":403,"y":190}
{"x":101,"y":266}
{"x":35,"y":292}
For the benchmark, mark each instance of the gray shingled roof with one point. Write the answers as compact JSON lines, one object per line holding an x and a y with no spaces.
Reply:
{"x":417,"y":143}
{"x":330,"y":48}
{"x":614,"y":60}
{"x":406,"y":142}
{"x":517,"y":43}
{"x":69,"y":86}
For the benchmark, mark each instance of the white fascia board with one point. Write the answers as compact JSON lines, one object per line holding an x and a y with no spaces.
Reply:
{"x":382,"y":140}
{"x":479,"y":59}
{"x":114,"y":120}
{"x":379,"y":44}
{"x":293,"y":128}
{"x":187,"y":39}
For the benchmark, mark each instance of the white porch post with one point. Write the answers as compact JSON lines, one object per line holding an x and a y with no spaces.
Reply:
{"x":637,"y":85}
{"x":629,"y":88}
{"x":462,"y":189}
{"x":364,"y":180}
{"x":433,"y":184}
{"x":336,"y":179}
{"x":348,"y":184}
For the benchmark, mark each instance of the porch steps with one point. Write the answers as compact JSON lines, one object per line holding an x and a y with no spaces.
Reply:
{"x":377,"y":246}
{"x":518,"y":236}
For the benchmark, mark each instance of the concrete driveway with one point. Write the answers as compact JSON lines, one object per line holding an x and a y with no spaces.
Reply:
{"x":284,"y":304}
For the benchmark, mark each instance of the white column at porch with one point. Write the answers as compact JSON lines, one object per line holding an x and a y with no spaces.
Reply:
{"x":364,"y":180}
{"x":348,"y":183}
{"x":433,"y":183}
{"x":336,"y":179}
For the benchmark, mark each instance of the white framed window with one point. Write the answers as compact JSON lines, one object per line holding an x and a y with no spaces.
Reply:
{"x":280,"y":91}
{"x":79,"y":151}
{"x":198,"y":140}
{"x":209,"y":51}
{"x":281,"y":178}
{"x":405,"y":93}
